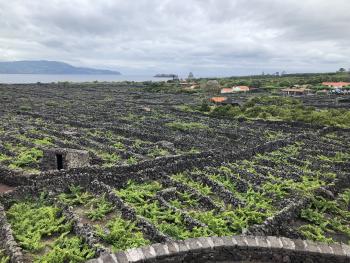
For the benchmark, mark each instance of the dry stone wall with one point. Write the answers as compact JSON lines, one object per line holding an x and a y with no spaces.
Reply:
{"x":261,"y":249}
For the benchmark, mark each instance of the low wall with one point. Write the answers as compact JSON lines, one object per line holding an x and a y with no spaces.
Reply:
{"x":13,"y":178}
{"x":7,"y":241}
{"x":148,"y":169}
{"x":234,"y":249}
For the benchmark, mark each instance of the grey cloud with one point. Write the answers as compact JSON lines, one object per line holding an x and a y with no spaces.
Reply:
{"x":208,"y":36}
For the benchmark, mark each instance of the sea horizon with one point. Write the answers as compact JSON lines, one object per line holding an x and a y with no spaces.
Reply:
{"x":49,"y":78}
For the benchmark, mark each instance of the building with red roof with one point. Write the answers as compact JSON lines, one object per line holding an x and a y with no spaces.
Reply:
{"x":240,"y":88}
{"x":336,"y":85}
{"x":218,"y":99}
{"x":235,"y":89}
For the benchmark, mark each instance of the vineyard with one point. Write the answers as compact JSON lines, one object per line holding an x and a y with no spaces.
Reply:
{"x":159,"y":173}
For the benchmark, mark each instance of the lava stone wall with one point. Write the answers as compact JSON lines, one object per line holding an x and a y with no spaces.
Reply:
{"x":147,"y":170}
{"x":234,"y":249}
{"x":71,"y":158}
{"x":7,"y":241}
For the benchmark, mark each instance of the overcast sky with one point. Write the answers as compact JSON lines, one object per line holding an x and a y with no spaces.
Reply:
{"x":208,"y":37}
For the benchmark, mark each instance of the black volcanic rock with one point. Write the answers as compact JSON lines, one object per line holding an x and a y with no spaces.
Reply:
{"x":48,"y":67}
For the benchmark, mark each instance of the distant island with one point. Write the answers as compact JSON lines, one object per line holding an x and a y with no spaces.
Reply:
{"x":165,"y":76}
{"x":49,"y":67}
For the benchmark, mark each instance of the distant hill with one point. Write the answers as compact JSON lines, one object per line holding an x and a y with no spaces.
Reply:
{"x":49,"y":67}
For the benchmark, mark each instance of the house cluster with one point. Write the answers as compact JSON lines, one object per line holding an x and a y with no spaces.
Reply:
{"x":188,"y":85}
{"x":336,"y":85}
{"x":297,"y":90}
{"x":235,"y":89}
{"x":227,"y":100}
{"x":333,"y":88}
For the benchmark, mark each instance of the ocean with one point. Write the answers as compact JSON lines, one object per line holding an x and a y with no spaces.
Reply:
{"x":34,"y":78}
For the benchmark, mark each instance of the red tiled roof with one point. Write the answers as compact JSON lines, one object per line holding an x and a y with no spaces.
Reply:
{"x":218,"y":99}
{"x":336,"y":84}
{"x":240,"y":88}
{"x":226,"y":90}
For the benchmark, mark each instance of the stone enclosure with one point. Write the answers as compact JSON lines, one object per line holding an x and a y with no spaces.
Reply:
{"x":59,"y":159}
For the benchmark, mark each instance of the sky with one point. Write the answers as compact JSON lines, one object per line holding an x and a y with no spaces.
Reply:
{"x":207,"y":37}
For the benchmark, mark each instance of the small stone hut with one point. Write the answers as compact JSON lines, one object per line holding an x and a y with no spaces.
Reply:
{"x":63,"y":158}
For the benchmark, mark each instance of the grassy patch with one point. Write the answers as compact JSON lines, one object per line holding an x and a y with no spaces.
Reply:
{"x":186,"y":126}
{"x":43,"y":142}
{"x":26,"y":157}
{"x":157,"y":152}
{"x":109,"y":159}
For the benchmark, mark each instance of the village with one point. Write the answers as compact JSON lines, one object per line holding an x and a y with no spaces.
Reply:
{"x":222,"y":93}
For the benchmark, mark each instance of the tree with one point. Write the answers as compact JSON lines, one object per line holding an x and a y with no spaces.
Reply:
{"x":256,"y":84}
{"x":190,"y":76}
{"x":284,"y":83}
{"x":342,"y":70}
{"x":212,"y":86}
{"x":204,"y":106}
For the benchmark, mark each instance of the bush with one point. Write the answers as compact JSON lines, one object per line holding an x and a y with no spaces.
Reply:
{"x":67,"y":249}
{"x":122,"y":235}
{"x":226,"y":111}
{"x":31,"y":222}
{"x":3,"y":257}
{"x":204,"y":107}
{"x":183,"y":126}
{"x":27,"y":157}
{"x":286,"y":109}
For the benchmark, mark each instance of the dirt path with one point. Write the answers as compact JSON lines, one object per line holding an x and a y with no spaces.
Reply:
{"x":5,"y":188}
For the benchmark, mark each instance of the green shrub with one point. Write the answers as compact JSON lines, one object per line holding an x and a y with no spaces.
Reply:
{"x":3,"y":257}
{"x":183,"y":126}
{"x":204,"y":106}
{"x":122,"y":234}
{"x":32,"y":221}
{"x":43,"y":142}
{"x":27,"y":157}
{"x":132,"y":160}
{"x":286,"y":109}
{"x":315,"y":233}
{"x":119,"y":145}
{"x":141,"y":197}
{"x":157,"y":151}
{"x":4,"y":157}
{"x":326,"y":217}
{"x":76,"y":196}
{"x":110,"y":159}
{"x":67,"y":249}
{"x":98,"y":208}
{"x":25,"y":108}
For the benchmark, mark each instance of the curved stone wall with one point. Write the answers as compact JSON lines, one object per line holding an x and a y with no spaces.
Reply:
{"x":257,"y":249}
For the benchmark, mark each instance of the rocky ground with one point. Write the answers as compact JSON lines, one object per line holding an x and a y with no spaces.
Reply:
{"x":158,"y":173}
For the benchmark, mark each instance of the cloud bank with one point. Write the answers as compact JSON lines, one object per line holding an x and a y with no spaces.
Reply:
{"x":208,"y":37}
